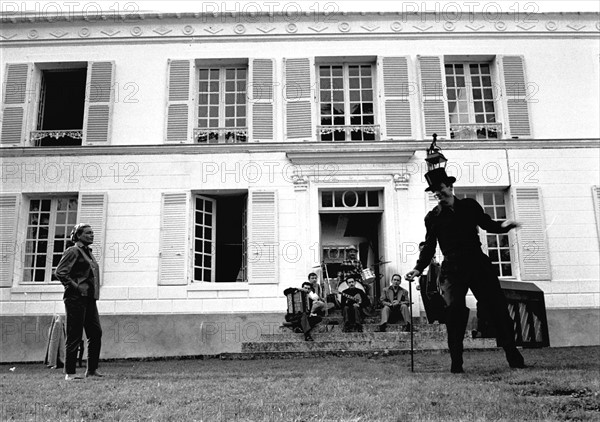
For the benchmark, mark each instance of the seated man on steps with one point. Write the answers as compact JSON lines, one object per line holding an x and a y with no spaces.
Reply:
{"x":395,"y":304}
{"x":353,"y":303}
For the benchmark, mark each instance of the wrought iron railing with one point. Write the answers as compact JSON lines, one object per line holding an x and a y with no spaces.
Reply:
{"x":70,"y":136}
{"x":476,"y":131}
{"x":349,"y":133}
{"x":221,"y":135}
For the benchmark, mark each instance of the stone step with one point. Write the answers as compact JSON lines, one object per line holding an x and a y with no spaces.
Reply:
{"x":329,"y":327}
{"x":376,"y":343}
{"x":309,"y":350}
{"x":336,"y":335}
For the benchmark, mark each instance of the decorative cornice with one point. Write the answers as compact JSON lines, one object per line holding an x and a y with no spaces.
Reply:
{"x":312,"y":148}
{"x":185,"y":25}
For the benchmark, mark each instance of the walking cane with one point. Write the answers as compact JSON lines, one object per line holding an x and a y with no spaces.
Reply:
{"x":412,"y":363}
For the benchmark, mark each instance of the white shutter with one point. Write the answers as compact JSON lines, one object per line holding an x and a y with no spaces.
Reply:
{"x":596,"y":199}
{"x":262,"y":243}
{"x":395,"y":97}
{"x":99,"y":102}
{"x":534,"y":257}
{"x":92,"y":210}
{"x":435,"y":109}
{"x":174,"y":232}
{"x":8,"y":232}
{"x":299,"y":77}
{"x":178,"y":101}
{"x":17,"y":86}
{"x":515,"y":96}
{"x":261,"y":102}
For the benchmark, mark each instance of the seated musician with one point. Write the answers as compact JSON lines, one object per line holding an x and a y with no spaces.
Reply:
{"x":395,"y":302}
{"x":352,"y":267}
{"x":353,"y":303}
{"x":317,"y":306}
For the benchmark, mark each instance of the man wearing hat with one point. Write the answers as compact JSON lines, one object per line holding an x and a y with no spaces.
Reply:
{"x":453,"y":224}
{"x":352,"y":267}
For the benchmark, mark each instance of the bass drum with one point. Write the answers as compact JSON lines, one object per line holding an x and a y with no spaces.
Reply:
{"x":343,"y":286}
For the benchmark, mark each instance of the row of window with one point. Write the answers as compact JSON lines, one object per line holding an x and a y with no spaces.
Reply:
{"x":219,"y":234}
{"x":367,"y":100}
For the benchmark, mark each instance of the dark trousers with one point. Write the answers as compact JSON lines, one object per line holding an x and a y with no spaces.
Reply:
{"x":82,"y":313}
{"x":476,"y":273}
{"x":352,"y":315}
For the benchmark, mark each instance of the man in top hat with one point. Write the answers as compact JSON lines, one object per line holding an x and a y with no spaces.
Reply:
{"x":453,"y":224}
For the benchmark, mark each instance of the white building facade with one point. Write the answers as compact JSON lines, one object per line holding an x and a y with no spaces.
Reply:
{"x":221,"y":158}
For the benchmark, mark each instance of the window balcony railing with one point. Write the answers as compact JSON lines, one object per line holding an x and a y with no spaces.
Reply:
{"x":349,"y":133}
{"x":57,"y":137}
{"x":476,"y":131}
{"x":221,"y":135}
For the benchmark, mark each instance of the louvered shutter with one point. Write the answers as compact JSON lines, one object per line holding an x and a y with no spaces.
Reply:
{"x":17,"y":86}
{"x":172,"y":269}
{"x":515,"y":96}
{"x":261,"y":101}
{"x":395,"y":96}
{"x":262,"y":243}
{"x":8,"y":226}
{"x":92,"y":210}
{"x":100,"y":94}
{"x":534,"y":257}
{"x":178,"y":101}
{"x":596,"y":199}
{"x":435,"y":109}
{"x":299,"y":73}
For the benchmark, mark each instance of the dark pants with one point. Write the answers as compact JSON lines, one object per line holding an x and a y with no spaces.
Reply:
{"x":82,"y":313}
{"x":352,"y":316}
{"x":476,"y":273}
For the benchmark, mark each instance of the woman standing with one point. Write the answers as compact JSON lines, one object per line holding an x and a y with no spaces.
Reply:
{"x":78,"y":272}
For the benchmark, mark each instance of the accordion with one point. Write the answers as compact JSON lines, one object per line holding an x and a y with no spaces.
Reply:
{"x":297,"y":301}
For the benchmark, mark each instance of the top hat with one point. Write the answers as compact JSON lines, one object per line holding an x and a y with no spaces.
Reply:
{"x":437,"y":176}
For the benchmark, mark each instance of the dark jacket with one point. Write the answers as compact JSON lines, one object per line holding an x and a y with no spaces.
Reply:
{"x":79,"y":270}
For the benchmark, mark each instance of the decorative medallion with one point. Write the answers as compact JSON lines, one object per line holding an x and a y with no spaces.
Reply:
{"x":213,"y":29}
{"x":576,"y":27}
{"x":344,"y":27}
{"x":265,"y":29}
{"x":188,"y":30}
{"x":136,"y":31}
{"x":292,"y":28}
{"x":84,"y":32}
{"x":162,"y":30}
{"x":110,"y":32}
{"x":318,"y":27}
{"x":397,"y":26}
{"x":239,"y":29}
{"x":551,"y":26}
{"x":500,"y":26}
{"x":449,"y":26}
{"x":33,"y":34}
{"x":370,"y":27}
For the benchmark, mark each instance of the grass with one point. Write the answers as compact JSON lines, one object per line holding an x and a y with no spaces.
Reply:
{"x":561,"y":384}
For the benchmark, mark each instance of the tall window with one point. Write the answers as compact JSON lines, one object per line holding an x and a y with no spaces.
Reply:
{"x":346,"y":103}
{"x":219,"y":238}
{"x":49,"y":223}
{"x":497,"y":246}
{"x":61,"y":107}
{"x":221,"y":105}
{"x":471,"y":101}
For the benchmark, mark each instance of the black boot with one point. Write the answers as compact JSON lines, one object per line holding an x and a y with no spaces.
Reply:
{"x":514,"y":357}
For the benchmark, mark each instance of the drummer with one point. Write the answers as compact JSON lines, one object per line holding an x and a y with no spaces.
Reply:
{"x":352,"y":267}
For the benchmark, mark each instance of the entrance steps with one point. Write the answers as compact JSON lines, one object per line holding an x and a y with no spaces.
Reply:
{"x":330,"y":340}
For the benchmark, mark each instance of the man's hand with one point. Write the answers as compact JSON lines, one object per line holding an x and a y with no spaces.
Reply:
{"x":395,"y":303}
{"x":410,"y":276}
{"x":510,"y":224}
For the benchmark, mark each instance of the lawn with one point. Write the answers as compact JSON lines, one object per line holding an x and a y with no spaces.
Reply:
{"x":561,"y":384}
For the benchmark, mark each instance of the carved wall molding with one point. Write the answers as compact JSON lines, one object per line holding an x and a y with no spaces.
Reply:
{"x":152,"y":26}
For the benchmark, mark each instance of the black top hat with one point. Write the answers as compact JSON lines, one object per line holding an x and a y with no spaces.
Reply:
{"x":437,"y":176}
